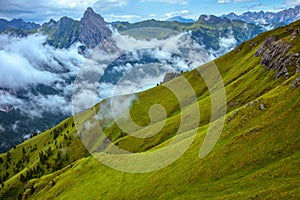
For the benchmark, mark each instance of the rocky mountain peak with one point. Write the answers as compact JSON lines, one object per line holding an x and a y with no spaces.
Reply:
{"x":49,"y":24}
{"x":92,"y":17}
{"x":264,"y":18}
{"x":89,"y":10}
{"x":65,"y":20}
{"x":93,"y":29}
{"x":89,"y":14}
{"x":19,"y":20}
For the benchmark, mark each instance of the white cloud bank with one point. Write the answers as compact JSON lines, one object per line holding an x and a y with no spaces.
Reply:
{"x":26,"y":63}
{"x":292,"y":2}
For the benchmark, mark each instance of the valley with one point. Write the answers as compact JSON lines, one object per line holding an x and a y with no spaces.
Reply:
{"x":257,"y":155}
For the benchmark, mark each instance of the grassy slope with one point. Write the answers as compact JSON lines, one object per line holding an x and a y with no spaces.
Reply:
{"x":257,"y":155}
{"x":69,"y":146}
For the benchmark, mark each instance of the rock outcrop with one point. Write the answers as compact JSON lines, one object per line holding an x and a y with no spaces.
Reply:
{"x":275,"y":57}
{"x":170,"y":76}
{"x":295,"y":33}
{"x":6,"y":108}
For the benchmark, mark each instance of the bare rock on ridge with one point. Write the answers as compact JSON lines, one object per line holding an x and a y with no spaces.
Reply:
{"x":275,"y":57}
{"x":93,"y":29}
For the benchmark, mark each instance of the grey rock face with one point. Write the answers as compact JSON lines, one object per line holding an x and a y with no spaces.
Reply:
{"x":93,"y":29}
{"x":295,"y":33}
{"x":170,"y":76}
{"x":262,"y":107}
{"x":275,"y":57}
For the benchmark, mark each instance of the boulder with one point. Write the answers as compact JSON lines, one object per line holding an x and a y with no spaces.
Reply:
{"x":262,"y":107}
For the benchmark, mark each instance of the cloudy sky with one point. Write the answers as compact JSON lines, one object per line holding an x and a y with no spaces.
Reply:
{"x":133,"y":10}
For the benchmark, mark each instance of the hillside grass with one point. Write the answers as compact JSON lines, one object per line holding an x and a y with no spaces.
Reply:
{"x":262,"y":163}
{"x":256,"y":157}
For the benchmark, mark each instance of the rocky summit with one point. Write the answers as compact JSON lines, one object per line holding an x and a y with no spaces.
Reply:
{"x":90,"y":30}
{"x":93,"y":29}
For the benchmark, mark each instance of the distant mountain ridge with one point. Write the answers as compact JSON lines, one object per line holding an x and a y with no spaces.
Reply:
{"x":264,"y":18}
{"x":91,"y":29}
{"x":17,"y":24}
{"x":207,"y":30}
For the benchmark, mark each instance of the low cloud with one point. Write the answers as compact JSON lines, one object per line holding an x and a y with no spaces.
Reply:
{"x":181,"y":44}
{"x":226,"y":44}
{"x":181,"y":13}
{"x":15,"y":126}
{"x":174,"y":54}
{"x":37,"y":78}
{"x":292,"y":2}
{"x":2,"y":129}
{"x":16,"y":72}
{"x":26,"y":63}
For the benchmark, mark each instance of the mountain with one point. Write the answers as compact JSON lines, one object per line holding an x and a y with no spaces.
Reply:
{"x":26,"y":110}
{"x":28,"y":113}
{"x":268,"y":18}
{"x":17,"y":24}
{"x":21,"y":111}
{"x":91,"y":30}
{"x":207,"y":31}
{"x":180,"y":19}
{"x":62,"y":34}
{"x":256,"y":156}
